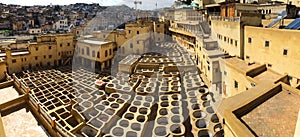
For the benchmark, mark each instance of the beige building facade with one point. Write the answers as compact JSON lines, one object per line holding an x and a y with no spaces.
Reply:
{"x":230,"y":32}
{"x":94,"y":54}
{"x":35,"y":31}
{"x":278,"y":48}
{"x":48,"y":50}
{"x":186,"y":14}
{"x":139,"y":35}
{"x":159,"y":31}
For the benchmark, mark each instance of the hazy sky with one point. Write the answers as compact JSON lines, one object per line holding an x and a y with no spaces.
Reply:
{"x":146,"y":4}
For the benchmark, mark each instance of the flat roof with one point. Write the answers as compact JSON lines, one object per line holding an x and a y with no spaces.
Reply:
{"x":7,"y":94}
{"x":242,"y":65}
{"x":267,"y":109}
{"x":19,"y":53}
{"x":207,"y":40}
{"x":22,"y":123}
{"x":213,"y":5}
{"x":96,"y":42}
{"x":187,"y":22}
{"x":88,"y":36}
{"x":277,"y":116}
{"x":214,"y":52}
{"x":268,"y":76}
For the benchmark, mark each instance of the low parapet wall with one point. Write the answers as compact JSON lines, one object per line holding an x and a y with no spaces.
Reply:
{"x":19,"y":101}
{"x":2,"y":133}
{"x":6,"y":84}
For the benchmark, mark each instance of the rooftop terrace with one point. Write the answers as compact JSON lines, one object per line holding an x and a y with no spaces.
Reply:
{"x":240,"y":64}
{"x":276,"y":117}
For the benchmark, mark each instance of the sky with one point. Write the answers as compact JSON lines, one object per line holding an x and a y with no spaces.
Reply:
{"x":146,"y":4}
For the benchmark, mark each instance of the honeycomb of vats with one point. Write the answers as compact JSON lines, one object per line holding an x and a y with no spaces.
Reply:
{"x":169,"y":120}
{"x":133,"y":121}
{"x":203,"y":119}
{"x":148,"y":94}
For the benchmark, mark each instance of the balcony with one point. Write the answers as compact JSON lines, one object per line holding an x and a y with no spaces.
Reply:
{"x":220,"y":18}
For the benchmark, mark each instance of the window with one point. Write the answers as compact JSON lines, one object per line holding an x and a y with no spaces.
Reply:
{"x":249,"y":40}
{"x":93,"y":53}
{"x":231,"y":41}
{"x":13,"y":60}
{"x":285,"y":51}
{"x":98,"y":54}
{"x":158,"y":26}
{"x":106,"y":53}
{"x":36,"y":48}
{"x":137,"y":32}
{"x":267,"y":43}
{"x":137,"y":42}
{"x":236,"y":43}
{"x":225,"y":73}
{"x":88,"y":51}
{"x":110,"y":52}
{"x":129,"y":31}
{"x":103,"y":36}
{"x":50,"y":47}
{"x":236,"y":84}
{"x":82,"y":51}
{"x":131,"y":45}
{"x":208,"y":68}
{"x":270,"y":65}
{"x":36,"y":57}
{"x":44,"y":56}
{"x":290,"y":78}
{"x":50,"y":56}
{"x":68,"y":44}
{"x":247,"y":57}
{"x":224,"y":39}
{"x":60,"y":45}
